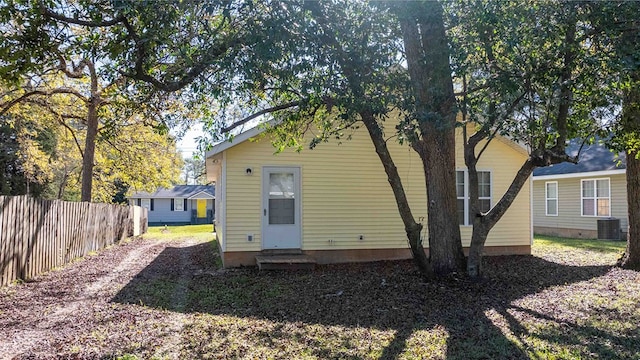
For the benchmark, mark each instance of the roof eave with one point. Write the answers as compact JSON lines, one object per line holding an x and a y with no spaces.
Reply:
{"x":579,"y":174}
{"x":202,"y":192}
{"x":240,"y":138}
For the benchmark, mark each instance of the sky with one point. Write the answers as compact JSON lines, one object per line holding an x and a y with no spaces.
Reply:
{"x":188,"y":144}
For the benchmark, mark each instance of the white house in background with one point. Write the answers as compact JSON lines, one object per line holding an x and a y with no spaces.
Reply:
{"x":182,"y":204}
{"x":584,"y":200}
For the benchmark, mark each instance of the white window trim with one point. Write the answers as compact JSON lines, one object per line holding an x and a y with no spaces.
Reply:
{"x":466,"y":193}
{"x":177,"y":201}
{"x":595,"y":197}
{"x":547,"y":198}
{"x":147,"y":205}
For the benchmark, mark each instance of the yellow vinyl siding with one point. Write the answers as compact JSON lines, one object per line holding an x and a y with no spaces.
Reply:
{"x":345,"y":194}
{"x":569,"y":200}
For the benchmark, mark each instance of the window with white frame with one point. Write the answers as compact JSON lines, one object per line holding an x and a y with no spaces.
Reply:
{"x":596,"y":199}
{"x":178,"y":204}
{"x":551,"y":198}
{"x":146,"y":203}
{"x":462,"y":191}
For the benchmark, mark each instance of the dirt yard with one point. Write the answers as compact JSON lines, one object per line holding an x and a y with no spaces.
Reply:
{"x":74,"y":312}
{"x":168,"y":299}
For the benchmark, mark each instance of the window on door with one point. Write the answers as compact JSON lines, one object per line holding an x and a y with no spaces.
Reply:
{"x":462,"y":190}
{"x":281,"y":198}
{"x":596,"y":200}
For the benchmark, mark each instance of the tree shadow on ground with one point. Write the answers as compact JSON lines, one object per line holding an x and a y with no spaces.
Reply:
{"x":478,"y":316}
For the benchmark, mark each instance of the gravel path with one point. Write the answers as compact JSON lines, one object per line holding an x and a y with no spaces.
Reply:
{"x":74,"y":313}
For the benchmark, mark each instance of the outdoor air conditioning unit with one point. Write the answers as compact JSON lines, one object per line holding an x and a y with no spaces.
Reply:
{"x":609,"y":229}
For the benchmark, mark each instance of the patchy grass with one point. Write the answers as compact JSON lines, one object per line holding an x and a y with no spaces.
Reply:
{"x":565,"y":302}
{"x":199,"y":232}
{"x":578,"y":252}
{"x":604,"y":246}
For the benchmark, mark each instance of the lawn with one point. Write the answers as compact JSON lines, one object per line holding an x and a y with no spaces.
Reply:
{"x":201,"y":232}
{"x":565,"y":302}
{"x":555,"y":243}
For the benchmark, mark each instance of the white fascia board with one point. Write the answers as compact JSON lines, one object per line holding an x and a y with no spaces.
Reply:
{"x":580,"y":174}
{"x":516,"y":145}
{"x":202,"y":192}
{"x":242,"y":137}
{"x":223,"y":203}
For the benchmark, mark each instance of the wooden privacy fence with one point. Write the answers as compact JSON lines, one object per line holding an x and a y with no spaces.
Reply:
{"x":38,"y":235}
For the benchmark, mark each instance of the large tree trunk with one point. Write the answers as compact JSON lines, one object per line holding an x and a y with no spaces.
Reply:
{"x":444,"y":231}
{"x":94,"y":102}
{"x":435,"y":113}
{"x":89,"y":150}
{"x":351,"y":71}
{"x":631,"y":257}
{"x":438,"y":160}
{"x":630,"y":138}
{"x":427,"y":51}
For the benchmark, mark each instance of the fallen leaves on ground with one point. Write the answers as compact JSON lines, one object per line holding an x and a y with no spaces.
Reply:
{"x":168,"y":299}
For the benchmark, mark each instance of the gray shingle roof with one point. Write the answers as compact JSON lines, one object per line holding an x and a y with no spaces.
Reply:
{"x":595,"y":157}
{"x":178,"y":191}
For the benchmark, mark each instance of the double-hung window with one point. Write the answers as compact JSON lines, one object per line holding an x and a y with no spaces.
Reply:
{"x":551,"y":198}
{"x":596,"y":199}
{"x":462,"y":190}
{"x":146,"y":203}
{"x":178,"y":204}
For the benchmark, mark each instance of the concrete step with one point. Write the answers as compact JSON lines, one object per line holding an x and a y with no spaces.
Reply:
{"x":285,"y":262}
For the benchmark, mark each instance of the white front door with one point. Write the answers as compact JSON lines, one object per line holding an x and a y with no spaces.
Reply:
{"x":281,"y":208}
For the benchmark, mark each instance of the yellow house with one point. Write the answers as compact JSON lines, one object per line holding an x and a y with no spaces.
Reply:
{"x":334,"y":204}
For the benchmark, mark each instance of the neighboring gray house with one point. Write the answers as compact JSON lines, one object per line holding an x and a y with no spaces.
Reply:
{"x":182,"y":204}
{"x":584,"y":200}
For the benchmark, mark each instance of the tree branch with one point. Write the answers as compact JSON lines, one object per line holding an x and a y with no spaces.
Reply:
{"x":73,"y":134}
{"x":61,"y":120}
{"x":76,"y":72}
{"x":505,"y":115}
{"x":49,"y":13}
{"x":472,"y":90}
{"x":260,"y":113}
{"x":5,"y":107}
{"x":207,"y":57}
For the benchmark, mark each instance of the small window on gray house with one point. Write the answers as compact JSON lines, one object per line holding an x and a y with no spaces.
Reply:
{"x":551,"y":198}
